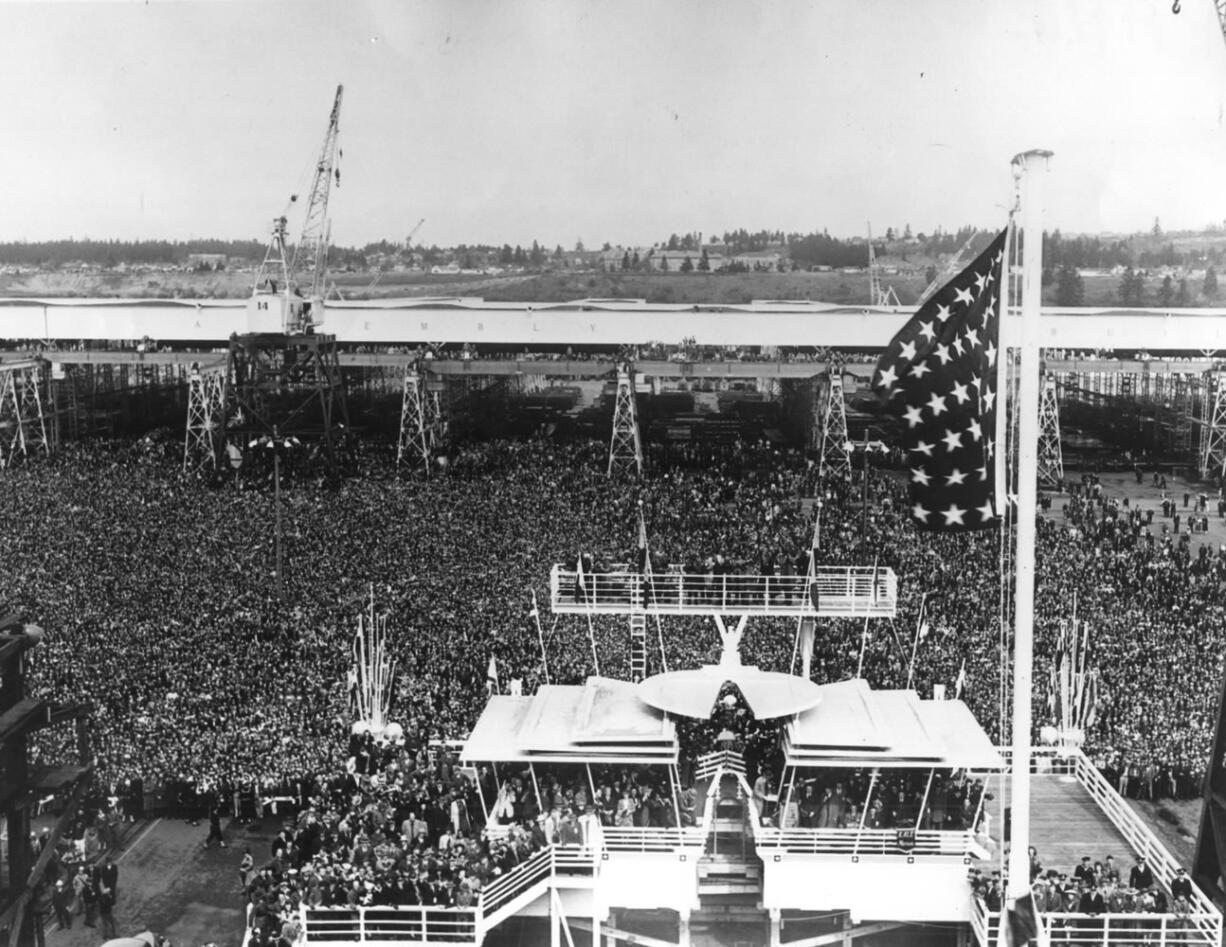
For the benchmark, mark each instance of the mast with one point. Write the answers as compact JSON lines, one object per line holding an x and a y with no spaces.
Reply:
{"x":1030,"y":167}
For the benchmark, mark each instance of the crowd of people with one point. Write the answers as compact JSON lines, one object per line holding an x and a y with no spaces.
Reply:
{"x":161,"y":604}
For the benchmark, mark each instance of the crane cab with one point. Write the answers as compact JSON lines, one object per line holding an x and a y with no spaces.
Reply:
{"x":275,"y":309}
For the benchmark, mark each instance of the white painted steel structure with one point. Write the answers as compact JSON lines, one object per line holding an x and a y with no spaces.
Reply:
{"x":839,"y":592}
{"x":587,"y":323}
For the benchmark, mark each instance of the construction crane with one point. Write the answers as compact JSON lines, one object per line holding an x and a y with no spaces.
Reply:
{"x":877,"y":295}
{"x":292,"y":292}
{"x":951,"y":267}
{"x":408,"y":249}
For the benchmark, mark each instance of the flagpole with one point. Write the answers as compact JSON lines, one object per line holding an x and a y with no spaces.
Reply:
{"x":1030,"y":167}
{"x":919,"y":626}
{"x":540,"y":634}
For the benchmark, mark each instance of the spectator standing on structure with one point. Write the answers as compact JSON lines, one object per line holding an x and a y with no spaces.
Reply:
{"x":215,"y":826}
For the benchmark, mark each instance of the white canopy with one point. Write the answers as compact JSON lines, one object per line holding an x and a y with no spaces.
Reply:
{"x":855,"y":726}
{"x":600,"y":721}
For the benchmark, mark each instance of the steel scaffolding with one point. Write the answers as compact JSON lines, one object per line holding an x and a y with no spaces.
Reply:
{"x":1051,"y":458}
{"x":23,"y":422}
{"x":833,"y":450}
{"x":625,"y":448}
{"x":421,"y":420}
{"x":206,"y":404}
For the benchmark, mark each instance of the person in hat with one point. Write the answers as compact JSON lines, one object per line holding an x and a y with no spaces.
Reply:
{"x":1181,"y":885}
{"x":61,"y":901}
{"x":1084,"y":873}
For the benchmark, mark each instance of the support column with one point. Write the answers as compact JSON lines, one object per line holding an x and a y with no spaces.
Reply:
{"x":683,"y":927}
{"x":776,"y":932}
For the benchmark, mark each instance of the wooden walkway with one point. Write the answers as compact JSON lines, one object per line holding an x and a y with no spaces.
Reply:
{"x":1065,"y":824}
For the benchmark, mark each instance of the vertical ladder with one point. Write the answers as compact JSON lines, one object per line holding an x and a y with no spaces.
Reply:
{"x":638,"y":633}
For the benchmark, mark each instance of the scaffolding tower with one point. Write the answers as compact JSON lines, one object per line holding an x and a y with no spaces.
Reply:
{"x":421,"y":420}
{"x":289,"y":386}
{"x":834,"y":455}
{"x":206,"y":404}
{"x":23,"y":422}
{"x":1051,"y":458}
{"x":625,"y":448}
{"x":1213,"y":429}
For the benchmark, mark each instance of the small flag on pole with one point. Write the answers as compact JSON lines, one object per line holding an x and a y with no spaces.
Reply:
{"x":938,"y":375}
{"x":491,"y":677}
{"x":1022,"y":925}
{"x":960,"y":681}
{"x":924,"y":629}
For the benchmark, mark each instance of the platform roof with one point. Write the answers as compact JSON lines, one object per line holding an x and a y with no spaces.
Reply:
{"x":855,"y":726}
{"x":600,"y":721}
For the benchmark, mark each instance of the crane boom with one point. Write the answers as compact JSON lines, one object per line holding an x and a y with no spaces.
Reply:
{"x":311,"y":253}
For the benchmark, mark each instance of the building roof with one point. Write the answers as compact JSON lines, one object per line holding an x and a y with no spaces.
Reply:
{"x":600,"y":721}
{"x":855,"y":726}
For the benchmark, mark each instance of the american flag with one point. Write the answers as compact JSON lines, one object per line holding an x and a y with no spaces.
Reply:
{"x":938,"y":375}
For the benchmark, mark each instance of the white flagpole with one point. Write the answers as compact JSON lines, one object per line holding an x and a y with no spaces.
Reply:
{"x":540,"y":634}
{"x":919,"y":627}
{"x":1030,"y":166}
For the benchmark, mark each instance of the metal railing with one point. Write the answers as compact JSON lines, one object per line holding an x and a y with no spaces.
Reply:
{"x":418,"y":924}
{"x":1200,"y":926}
{"x":868,"y":841}
{"x":644,"y":839}
{"x":1102,"y":930}
{"x":710,"y":763}
{"x":429,"y":925}
{"x":834,"y":591}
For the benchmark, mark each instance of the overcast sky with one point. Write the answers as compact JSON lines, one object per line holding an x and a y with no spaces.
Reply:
{"x":502,"y":121}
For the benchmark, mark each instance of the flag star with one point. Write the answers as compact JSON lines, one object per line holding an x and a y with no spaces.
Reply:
{"x":908,"y":351}
{"x":955,"y":478}
{"x":976,"y":380}
{"x":963,"y":296}
{"x":957,"y":345}
{"x":986,"y":512}
{"x":912,"y":415}
{"x":942,"y":352}
{"x":923,"y":447}
{"x":989,"y":311}
{"x":925,"y":330}
{"x":975,"y":431}
{"x":983,"y":472}
{"x":937,"y":404}
{"x":981,"y":281}
{"x":972,"y":336}
{"x":952,"y":440}
{"x":919,"y":370}
{"x":920,"y":475}
{"x":989,"y":398}
{"x":961,"y":393}
{"x":990,"y":352}
{"x":988,"y":446}
{"x":887,"y":378}
{"x":942,"y":313}
{"x":920,"y":513}
{"x":953,"y":516}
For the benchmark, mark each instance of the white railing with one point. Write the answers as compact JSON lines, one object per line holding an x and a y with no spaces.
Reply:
{"x":1203,"y":925}
{"x":1103,"y":930}
{"x":636,"y":839}
{"x":430,"y":925}
{"x":838,"y":591}
{"x":867,"y":841}
{"x":418,"y":924}
{"x":731,"y":760}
